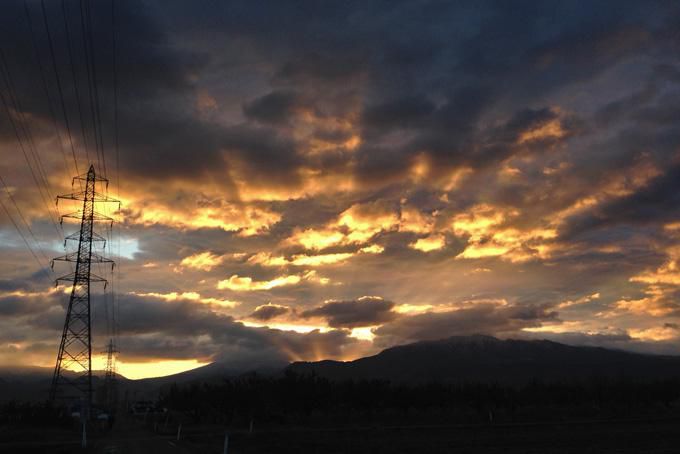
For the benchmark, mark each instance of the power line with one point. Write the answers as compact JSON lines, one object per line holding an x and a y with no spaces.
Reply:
{"x":23,"y":237}
{"x":4,"y":73}
{"x":116,"y":278}
{"x":22,"y":217}
{"x":88,"y":72}
{"x":25,"y":128}
{"x":44,"y":84}
{"x":88,"y":41}
{"x":75,"y":79}
{"x":61,"y":92}
{"x":42,"y":268}
{"x":115,"y":92}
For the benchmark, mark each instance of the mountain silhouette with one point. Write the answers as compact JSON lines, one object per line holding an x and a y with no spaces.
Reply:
{"x":480,"y":358}
{"x":459,"y":359}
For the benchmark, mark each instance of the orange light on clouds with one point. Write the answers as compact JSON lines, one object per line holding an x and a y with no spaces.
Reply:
{"x":204,"y":261}
{"x":247,"y":219}
{"x":372,"y":249}
{"x":295,"y":327}
{"x":412,"y":220}
{"x":323,"y":259}
{"x":479,"y":220}
{"x":190,"y":296}
{"x":356,"y":225}
{"x":668,"y":273}
{"x":420,"y":167}
{"x":549,"y":130}
{"x":413,"y":308}
{"x":655,"y":334}
{"x":316,"y":239}
{"x":482,"y":224}
{"x":368,"y":218}
{"x":430,"y":243}
{"x":653,"y":304}
{"x":247,"y":284}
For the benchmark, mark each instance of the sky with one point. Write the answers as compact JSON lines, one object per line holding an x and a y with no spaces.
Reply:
{"x":323,"y":180}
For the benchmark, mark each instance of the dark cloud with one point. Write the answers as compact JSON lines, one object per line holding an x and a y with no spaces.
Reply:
{"x":268,"y":312}
{"x":657,"y":202}
{"x":275,"y":107}
{"x":185,"y":325}
{"x":153,"y":328}
{"x":404,"y":113}
{"x":310,"y":109}
{"x":479,"y":318}
{"x":365,"y":311}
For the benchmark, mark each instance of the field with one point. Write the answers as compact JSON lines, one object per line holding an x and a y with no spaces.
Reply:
{"x":653,"y":436}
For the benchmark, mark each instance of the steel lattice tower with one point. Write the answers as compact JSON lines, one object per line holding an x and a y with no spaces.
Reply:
{"x":75,"y":350}
{"x":110,"y":384}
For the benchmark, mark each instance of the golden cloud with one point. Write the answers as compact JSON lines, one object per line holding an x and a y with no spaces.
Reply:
{"x":429,"y":243}
{"x":656,"y":334}
{"x":266,"y":259}
{"x":661,"y":285}
{"x":578,"y":302}
{"x":190,"y":296}
{"x":204,"y":261}
{"x":317,"y":260}
{"x":548,"y":130}
{"x":365,"y":220}
{"x":654,"y":303}
{"x":356,"y":225}
{"x":247,"y":284}
{"x":314,"y":239}
{"x":412,"y":220}
{"x":413,"y":308}
{"x":246,"y":219}
{"x":482,"y":224}
{"x":372,"y":249}
{"x":667,"y":274}
{"x":616,"y":185}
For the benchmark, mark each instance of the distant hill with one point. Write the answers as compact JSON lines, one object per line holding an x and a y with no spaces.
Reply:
{"x":487,"y":359}
{"x":217,"y":371}
{"x":32,"y":383}
{"x":457,"y":359}
{"x":149,"y":388}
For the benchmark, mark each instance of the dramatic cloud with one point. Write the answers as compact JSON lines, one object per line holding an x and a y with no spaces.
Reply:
{"x":246,"y":284}
{"x":364,"y":311}
{"x":268,"y":312}
{"x":486,"y":317}
{"x":203,"y":261}
{"x":494,"y":167}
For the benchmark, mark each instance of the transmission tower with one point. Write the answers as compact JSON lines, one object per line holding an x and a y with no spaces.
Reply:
{"x":110,"y":376}
{"x":72,"y":377}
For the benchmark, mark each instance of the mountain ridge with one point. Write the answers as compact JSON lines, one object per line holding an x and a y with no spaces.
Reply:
{"x":486,"y":359}
{"x":476,"y":358}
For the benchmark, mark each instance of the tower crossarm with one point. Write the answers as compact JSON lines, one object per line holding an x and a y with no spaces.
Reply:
{"x":96,"y":217}
{"x":87,"y":176}
{"x":80,"y":196}
{"x":73,"y":257}
{"x":70,"y":277}
{"x":75,"y":236}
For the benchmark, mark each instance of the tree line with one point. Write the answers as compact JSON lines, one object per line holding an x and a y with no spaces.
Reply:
{"x":313,"y":400}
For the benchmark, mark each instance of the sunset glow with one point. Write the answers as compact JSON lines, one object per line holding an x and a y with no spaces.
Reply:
{"x":325,"y":182}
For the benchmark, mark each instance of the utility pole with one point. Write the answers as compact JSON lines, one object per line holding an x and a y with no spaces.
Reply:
{"x":75,"y":349}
